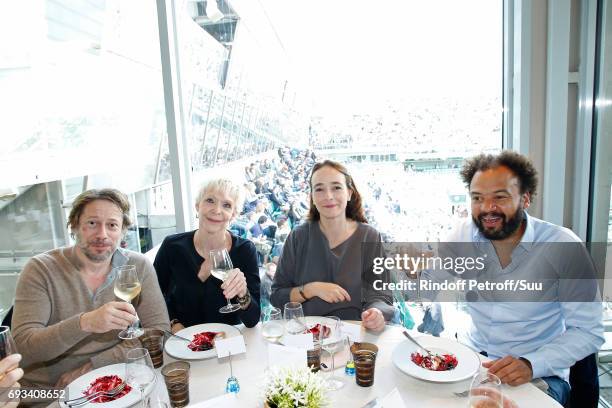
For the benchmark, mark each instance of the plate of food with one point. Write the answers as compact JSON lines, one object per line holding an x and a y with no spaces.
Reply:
{"x":105,"y":379}
{"x":201,"y":344}
{"x":451,"y":361}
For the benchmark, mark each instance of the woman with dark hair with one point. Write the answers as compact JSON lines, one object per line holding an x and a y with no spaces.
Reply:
{"x":325,"y":264}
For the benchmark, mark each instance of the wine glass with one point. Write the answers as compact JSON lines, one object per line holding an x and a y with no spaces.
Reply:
{"x":272,"y":326}
{"x":294,"y":318}
{"x":485,"y":391}
{"x":333,"y":343}
{"x":127,"y":287}
{"x":7,"y":344}
{"x":139,"y":370}
{"x":221,"y":267}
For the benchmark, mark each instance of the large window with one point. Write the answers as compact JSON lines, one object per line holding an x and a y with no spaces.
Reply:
{"x":82,"y":107}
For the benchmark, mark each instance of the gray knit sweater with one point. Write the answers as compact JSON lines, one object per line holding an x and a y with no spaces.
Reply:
{"x":50,"y":299}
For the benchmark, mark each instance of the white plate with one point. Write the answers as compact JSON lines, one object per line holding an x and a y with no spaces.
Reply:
{"x":177,"y":348}
{"x":75,"y":389}
{"x":467,"y":360}
{"x":311,"y":321}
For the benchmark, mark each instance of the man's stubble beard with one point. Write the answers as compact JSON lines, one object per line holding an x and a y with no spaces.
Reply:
{"x":93,"y":257}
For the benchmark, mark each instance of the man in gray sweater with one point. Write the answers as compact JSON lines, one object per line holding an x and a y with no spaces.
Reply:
{"x":66,"y":317}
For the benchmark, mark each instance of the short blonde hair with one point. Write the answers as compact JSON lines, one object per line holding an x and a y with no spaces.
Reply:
{"x":226,"y":186}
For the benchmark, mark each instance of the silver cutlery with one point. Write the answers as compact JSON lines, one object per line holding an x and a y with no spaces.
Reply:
{"x":465,"y":393}
{"x":417,"y":343}
{"x":177,"y":336}
{"x":462,"y":394}
{"x":76,"y":402}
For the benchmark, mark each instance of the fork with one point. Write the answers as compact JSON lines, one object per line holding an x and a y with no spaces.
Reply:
{"x":76,"y":402}
{"x":465,"y":393}
{"x":462,"y":394}
{"x":417,"y":343}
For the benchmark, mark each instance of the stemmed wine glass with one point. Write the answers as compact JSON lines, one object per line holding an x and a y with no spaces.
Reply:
{"x":7,"y":344}
{"x":221,"y":267}
{"x":333,"y":343}
{"x":139,"y":370}
{"x":127,"y":287}
{"x":294,"y":318}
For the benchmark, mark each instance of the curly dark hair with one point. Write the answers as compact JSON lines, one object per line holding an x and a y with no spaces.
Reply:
{"x":354,"y":208}
{"x":520,"y":165}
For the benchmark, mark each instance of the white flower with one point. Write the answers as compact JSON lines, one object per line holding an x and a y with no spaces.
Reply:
{"x":291,"y":388}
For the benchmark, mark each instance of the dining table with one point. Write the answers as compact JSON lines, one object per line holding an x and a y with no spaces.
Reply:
{"x":208,"y":378}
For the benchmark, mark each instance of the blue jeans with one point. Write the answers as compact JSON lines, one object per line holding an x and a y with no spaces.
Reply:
{"x":558,"y":389}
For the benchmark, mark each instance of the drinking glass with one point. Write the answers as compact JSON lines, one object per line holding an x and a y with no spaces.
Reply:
{"x":7,"y":344}
{"x":294,"y":318}
{"x":139,"y":370}
{"x":176,"y":376}
{"x":221,"y":267}
{"x":333,"y":343}
{"x":127,"y":287}
{"x":272,"y":326}
{"x":485,"y":391}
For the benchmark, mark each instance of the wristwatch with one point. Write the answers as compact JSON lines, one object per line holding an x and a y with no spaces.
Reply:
{"x":245,"y":301}
{"x":302,"y":294}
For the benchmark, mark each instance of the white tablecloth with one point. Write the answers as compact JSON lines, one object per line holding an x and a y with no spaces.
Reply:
{"x":208,"y":379}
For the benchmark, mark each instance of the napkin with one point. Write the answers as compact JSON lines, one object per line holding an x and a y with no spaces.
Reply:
{"x":352,"y":330}
{"x":393,"y":400}
{"x":299,"y":340}
{"x":285,"y":356}
{"x":234,"y":345}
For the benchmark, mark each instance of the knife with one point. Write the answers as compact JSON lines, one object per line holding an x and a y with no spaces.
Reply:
{"x":177,"y":336}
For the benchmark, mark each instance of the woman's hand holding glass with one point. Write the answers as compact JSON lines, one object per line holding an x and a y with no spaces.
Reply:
{"x":235,"y":284}
{"x":222,"y":268}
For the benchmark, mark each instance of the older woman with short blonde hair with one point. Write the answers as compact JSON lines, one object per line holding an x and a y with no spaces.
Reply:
{"x":183,"y":263}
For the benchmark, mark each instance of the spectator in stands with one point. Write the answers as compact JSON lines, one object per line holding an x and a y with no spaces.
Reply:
{"x":183,"y":264}
{"x":66,"y":318}
{"x":257,"y":228}
{"x":282,"y":230}
{"x":321,"y":263}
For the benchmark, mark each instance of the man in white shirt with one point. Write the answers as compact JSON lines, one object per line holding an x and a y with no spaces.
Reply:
{"x":526,"y":340}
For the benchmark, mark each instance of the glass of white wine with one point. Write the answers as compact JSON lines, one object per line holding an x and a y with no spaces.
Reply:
{"x":221,"y":267}
{"x":272,"y":324}
{"x":127,"y":287}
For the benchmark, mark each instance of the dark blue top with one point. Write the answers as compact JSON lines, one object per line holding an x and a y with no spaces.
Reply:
{"x":192,"y":301}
